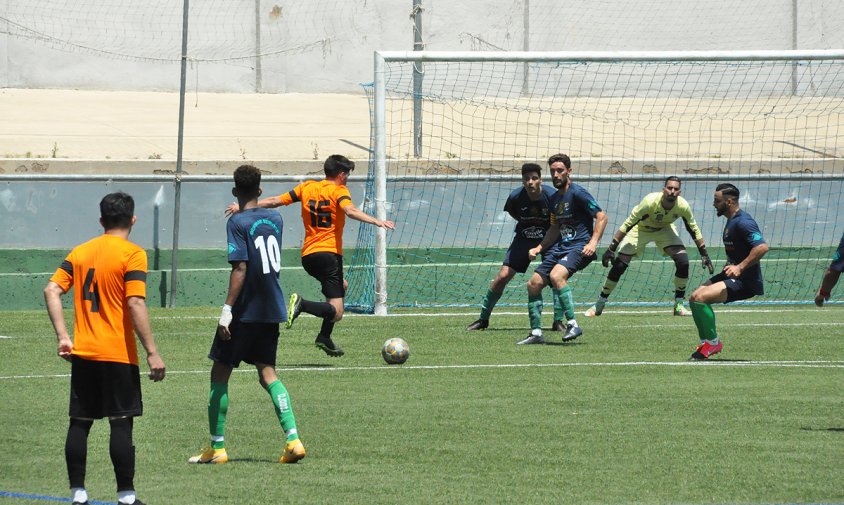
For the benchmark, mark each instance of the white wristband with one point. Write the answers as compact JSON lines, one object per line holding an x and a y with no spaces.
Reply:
{"x":226,"y":316}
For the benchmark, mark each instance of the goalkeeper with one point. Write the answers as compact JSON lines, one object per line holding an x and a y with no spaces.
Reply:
{"x":652,"y":221}
{"x":830,"y":277}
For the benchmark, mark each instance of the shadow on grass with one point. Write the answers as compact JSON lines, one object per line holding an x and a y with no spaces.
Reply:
{"x":834,"y":430}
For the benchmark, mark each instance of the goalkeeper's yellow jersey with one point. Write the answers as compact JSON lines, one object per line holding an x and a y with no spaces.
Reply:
{"x":650,"y":215}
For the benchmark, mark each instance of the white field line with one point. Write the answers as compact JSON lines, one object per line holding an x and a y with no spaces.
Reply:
{"x":419,"y":265}
{"x":757,"y":364}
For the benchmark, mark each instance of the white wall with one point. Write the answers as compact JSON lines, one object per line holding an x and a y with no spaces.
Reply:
{"x":327,"y":45}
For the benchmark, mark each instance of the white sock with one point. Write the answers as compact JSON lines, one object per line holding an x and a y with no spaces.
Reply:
{"x":127,"y":497}
{"x":572,"y":322}
{"x":79,"y":494}
{"x":536,"y":332}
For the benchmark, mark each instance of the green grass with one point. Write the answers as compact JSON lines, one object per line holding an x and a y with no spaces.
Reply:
{"x":616,"y":417}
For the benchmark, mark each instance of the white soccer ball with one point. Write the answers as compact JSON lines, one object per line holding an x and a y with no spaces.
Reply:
{"x":395,"y":351}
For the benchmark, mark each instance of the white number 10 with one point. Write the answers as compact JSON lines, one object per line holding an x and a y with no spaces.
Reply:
{"x":270,"y":253}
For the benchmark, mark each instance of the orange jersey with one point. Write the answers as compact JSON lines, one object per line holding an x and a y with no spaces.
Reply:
{"x":105,"y":271}
{"x":322,"y":214}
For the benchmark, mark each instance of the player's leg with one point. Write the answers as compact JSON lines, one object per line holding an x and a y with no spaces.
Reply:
{"x":569,"y":264}
{"x":85,"y":406}
{"x":122,"y":403}
{"x":263,"y":355}
{"x":672,"y":246}
{"x":712,"y":291}
{"x":324,"y":267}
{"x":630,"y":246}
{"x":226,"y":355}
{"x":535,"y":285}
{"x":493,"y":294}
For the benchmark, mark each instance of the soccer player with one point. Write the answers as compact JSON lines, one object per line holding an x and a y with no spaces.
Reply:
{"x":830,"y":277}
{"x":569,"y":246}
{"x":652,"y":221}
{"x":109,"y":276}
{"x":529,"y":206}
{"x":248,"y":328}
{"x":740,"y":279}
{"x":325,"y":205}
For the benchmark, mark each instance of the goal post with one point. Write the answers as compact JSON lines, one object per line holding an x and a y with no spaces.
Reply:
{"x":769,"y":121}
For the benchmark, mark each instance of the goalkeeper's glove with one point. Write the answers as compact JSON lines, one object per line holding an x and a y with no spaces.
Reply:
{"x":705,"y":261}
{"x":226,"y":316}
{"x":609,"y":256}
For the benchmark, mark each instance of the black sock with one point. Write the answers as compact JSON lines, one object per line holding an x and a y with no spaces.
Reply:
{"x":327,"y":328}
{"x":76,"y":450}
{"x":122,"y":453}
{"x":323,"y":310}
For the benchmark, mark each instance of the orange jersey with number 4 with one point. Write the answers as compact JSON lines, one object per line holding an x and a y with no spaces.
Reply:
{"x":322,"y":214}
{"x":104,"y":271}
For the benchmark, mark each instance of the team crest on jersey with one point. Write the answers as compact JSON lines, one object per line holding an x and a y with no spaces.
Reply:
{"x":569,"y":233}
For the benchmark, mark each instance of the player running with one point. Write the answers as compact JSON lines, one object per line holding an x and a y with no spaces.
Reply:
{"x":652,"y":220}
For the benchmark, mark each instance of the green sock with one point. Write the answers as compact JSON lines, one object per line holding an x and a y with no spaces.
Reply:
{"x":489,"y":302}
{"x":704,"y":320}
{"x":218,"y":406}
{"x":567,"y":302}
{"x":283,"y":409}
{"x":535,"y":311}
{"x":558,"y":308}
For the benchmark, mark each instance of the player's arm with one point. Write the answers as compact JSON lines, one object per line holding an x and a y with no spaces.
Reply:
{"x":140,"y":319}
{"x":266,"y":203}
{"x":551,"y":238}
{"x":359,"y":215}
{"x":601,"y":220}
{"x":830,"y":279}
{"x":697,"y":235}
{"x":753,"y":257}
{"x":53,"y":300}
{"x":237,"y":278}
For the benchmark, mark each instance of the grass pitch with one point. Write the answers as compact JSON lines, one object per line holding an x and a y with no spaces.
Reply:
{"x":617,"y":416}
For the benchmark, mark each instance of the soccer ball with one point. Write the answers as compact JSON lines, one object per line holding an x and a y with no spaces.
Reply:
{"x":395,"y":351}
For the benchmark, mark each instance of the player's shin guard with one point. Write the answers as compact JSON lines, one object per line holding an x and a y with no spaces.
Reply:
{"x":283,"y":409}
{"x":535,"y":311}
{"x":319,"y":309}
{"x":218,"y":407}
{"x":681,"y":274}
{"x":704,"y":320}
{"x":489,"y":302}
{"x":76,"y":451}
{"x":567,"y":302}
{"x":122,"y":453}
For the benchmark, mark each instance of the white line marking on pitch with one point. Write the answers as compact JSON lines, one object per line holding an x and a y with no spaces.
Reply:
{"x":772,"y":364}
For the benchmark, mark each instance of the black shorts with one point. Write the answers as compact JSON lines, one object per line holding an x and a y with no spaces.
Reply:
{"x":101,"y":389}
{"x":327,"y":268}
{"x":517,"y":255}
{"x":738,"y":289}
{"x":250,"y":342}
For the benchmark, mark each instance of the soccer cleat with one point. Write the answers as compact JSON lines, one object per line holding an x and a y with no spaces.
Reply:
{"x":680,"y":310}
{"x":210,"y":455}
{"x":294,"y":308}
{"x":595,"y":310}
{"x":480,"y":324}
{"x":531,"y":339}
{"x":293,"y":452}
{"x":572,"y":332}
{"x":79,"y":503}
{"x":558,"y":326}
{"x":705,"y":350}
{"x":328,"y":346}
{"x":136,"y":502}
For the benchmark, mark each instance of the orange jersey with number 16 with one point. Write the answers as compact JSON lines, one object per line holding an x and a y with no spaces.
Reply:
{"x":322,"y":214}
{"x":104,"y":272}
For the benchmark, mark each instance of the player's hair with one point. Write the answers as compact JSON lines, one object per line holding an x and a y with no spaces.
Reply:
{"x":247,"y":180}
{"x":117,"y":210}
{"x":337,"y":163}
{"x":560,"y":157}
{"x":531,"y":168}
{"x":729,"y":190}
{"x":672,"y":178}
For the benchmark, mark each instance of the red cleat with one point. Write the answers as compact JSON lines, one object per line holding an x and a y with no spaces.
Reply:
{"x":705,"y":350}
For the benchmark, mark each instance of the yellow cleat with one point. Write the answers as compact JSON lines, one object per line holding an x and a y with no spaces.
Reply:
{"x":293,"y":452}
{"x":210,"y":455}
{"x":680,"y":310}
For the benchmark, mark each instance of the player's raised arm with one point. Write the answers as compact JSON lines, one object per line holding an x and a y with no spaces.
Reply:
{"x":359,"y":215}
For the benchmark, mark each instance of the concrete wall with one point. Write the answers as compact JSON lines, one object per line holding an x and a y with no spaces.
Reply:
{"x":327,"y":45}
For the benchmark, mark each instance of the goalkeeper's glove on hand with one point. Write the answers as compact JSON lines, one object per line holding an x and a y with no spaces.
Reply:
{"x":705,"y":261}
{"x":609,"y":256}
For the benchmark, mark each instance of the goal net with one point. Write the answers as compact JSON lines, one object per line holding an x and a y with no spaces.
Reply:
{"x":451,"y":131}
